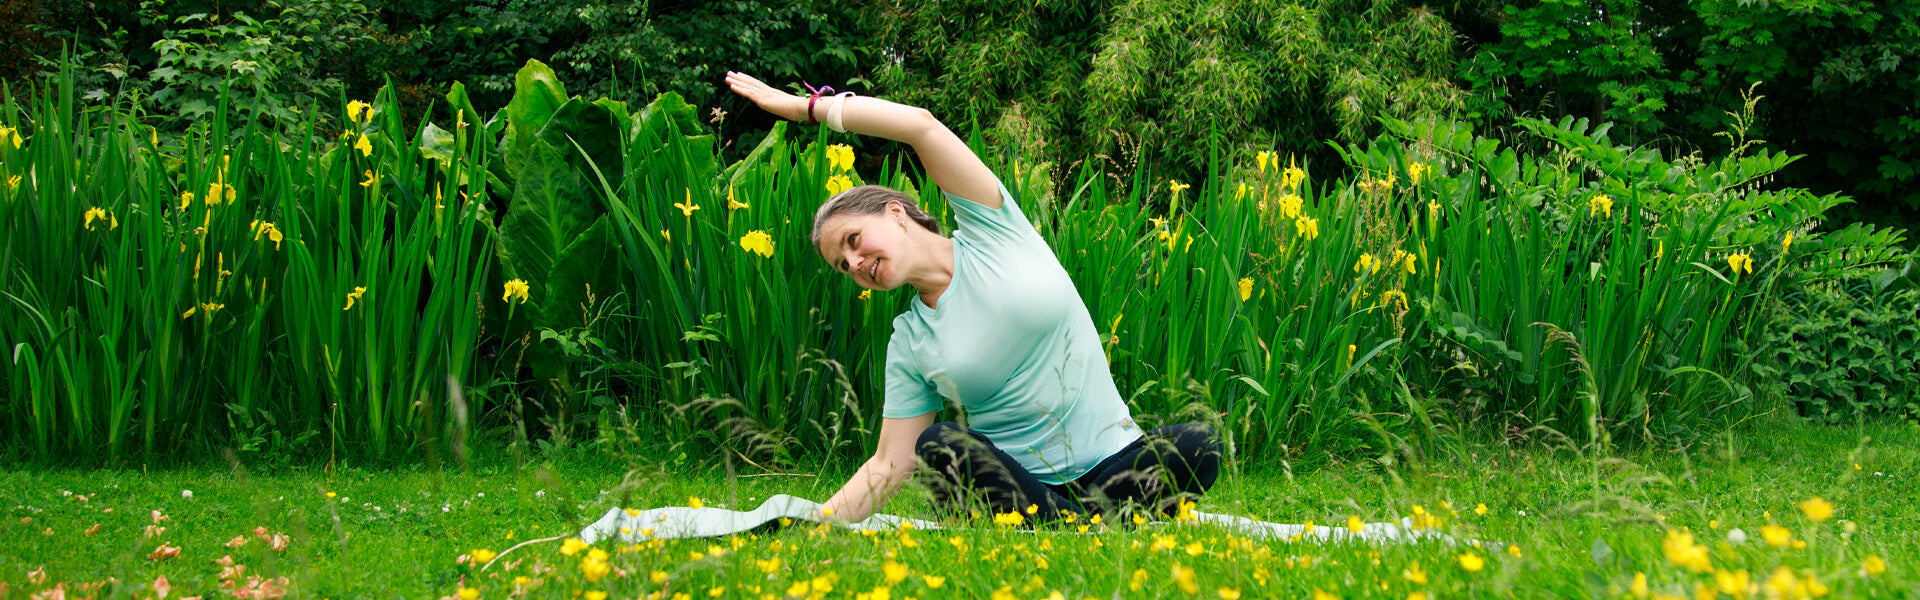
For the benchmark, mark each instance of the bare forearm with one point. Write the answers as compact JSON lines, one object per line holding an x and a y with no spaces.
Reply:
{"x":866,"y":491}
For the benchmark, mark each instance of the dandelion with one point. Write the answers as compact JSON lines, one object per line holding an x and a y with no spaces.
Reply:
{"x":1417,"y":172}
{"x":837,"y":184}
{"x":1601,"y":203}
{"x":359,"y":112}
{"x":1183,"y":577}
{"x":1815,"y":508}
{"x":364,"y":146}
{"x":840,"y":157}
{"x":1873,"y":565}
{"x":1246,"y":288}
{"x":1735,"y":583}
{"x":758,"y":242}
{"x":1681,"y":550}
{"x":1472,"y":562}
{"x":1776,"y":536}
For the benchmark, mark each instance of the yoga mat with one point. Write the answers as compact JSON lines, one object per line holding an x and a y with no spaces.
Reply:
{"x":674,"y":522}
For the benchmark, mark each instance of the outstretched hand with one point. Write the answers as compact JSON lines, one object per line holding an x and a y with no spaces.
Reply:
{"x":781,"y":104}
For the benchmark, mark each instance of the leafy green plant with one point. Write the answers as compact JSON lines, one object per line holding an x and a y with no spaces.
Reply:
{"x":1847,"y":350}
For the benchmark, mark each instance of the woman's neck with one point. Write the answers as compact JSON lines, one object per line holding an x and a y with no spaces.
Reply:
{"x":937,"y":271}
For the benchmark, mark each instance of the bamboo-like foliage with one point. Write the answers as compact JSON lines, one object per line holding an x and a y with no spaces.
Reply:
{"x":352,"y":290}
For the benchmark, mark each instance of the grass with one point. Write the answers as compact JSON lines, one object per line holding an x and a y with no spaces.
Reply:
{"x":1581,"y":527}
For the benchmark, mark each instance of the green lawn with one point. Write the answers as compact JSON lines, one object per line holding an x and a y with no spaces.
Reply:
{"x":1578,"y":527}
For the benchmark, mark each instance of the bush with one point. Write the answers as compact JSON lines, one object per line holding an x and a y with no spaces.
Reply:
{"x":1848,"y":349}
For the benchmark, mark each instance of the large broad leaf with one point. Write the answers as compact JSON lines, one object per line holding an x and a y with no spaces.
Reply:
{"x":436,"y":143}
{"x":552,"y":205}
{"x":594,"y":129}
{"x":537,"y":94}
{"x":583,"y":263}
{"x":667,"y":114}
{"x":772,"y":148}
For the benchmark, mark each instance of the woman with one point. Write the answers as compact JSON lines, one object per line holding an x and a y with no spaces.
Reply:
{"x":996,"y":327}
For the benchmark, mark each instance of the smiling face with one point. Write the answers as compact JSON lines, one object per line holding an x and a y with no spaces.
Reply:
{"x":874,"y":249}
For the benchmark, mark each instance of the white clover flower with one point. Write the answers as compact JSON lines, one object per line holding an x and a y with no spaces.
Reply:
{"x":1737,"y":536}
{"x":188,"y":494}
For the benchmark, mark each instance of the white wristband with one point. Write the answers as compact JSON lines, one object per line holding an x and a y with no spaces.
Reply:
{"x":834,"y":112}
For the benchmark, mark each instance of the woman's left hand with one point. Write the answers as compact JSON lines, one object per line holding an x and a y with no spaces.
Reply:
{"x":781,"y":104}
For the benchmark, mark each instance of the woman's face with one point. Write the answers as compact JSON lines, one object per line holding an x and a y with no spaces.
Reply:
{"x":872,"y":249}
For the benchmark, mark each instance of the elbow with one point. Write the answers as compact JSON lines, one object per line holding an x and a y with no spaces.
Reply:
{"x":925,"y":124}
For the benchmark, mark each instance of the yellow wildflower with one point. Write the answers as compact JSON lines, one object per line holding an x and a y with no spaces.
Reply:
{"x":515,"y":288}
{"x":595,"y":570}
{"x":1815,"y":508}
{"x":13,"y":182}
{"x":1354,"y":524}
{"x":1292,"y":176}
{"x":1600,"y":204}
{"x":1008,"y":519}
{"x":1433,"y":211}
{"x":1417,"y":172}
{"x":11,"y":134}
{"x":99,"y":214}
{"x":1513,"y":550}
{"x":1734,"y":583}
{"x":1776,"y":536}
{"x":186,"y":199}
{"x":866,"y":294}
{"x":1681,"y":550}
{"x":1736,"y":263}
{"x":1183,"y":577}
{"x":934,"y":582}
{"x":1390,"y":299}
{"x":1874,"y":565}
{"x":758,"y":242}
{"x":1472,"y":562}
{"x":837,"y":184}
{"x":1480,"y":509}
{"x":1785,"y":243}
{"x":372,"y":178}
{"x":1176,"y":187}
{"x":364,"y":146}
{"x":840,"y":157}
{"x":357,"y":292}
{"x":483,"y":555}
{"x":1227,"y":593}
{"x":1366,"y":264}
{"x":1246,"y":288}
{"x":1290,"y":205}
{"x":359,"y":112}
{"x":1319,"y":594}
{"x":767,"y":565}
{"x":1415,"y":574}
{"x":264,"y":228}
{"x":1309,"y":228}
{"x":733,"y":205}
{"x":1262,"y":159}
{"x":894,"y":572}
{"x":467,"y":593}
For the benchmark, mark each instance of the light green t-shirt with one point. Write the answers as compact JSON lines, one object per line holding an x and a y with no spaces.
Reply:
{"x":1013,"y":344}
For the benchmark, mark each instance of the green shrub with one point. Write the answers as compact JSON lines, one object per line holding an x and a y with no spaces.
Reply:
{"x":1849,"y":349}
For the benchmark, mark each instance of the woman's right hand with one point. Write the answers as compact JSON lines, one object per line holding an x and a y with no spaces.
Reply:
{"x":781,"y":104}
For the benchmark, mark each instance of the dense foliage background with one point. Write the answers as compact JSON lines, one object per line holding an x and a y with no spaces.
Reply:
{"x":1161,"y":80}
{"x":1397,"y":220}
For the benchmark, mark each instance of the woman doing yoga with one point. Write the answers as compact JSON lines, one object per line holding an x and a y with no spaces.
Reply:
{"x":997,"y":328}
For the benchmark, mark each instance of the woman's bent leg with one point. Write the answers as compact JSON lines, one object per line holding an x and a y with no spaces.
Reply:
{"x":1172,"y":463}
{"x":969,"y":470}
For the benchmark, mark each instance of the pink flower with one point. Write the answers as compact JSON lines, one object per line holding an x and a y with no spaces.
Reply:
{"x":165,"y":551}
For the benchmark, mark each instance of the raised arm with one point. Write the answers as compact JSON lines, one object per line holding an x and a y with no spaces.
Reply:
{"x":953,"y":165}
{"x":882,"y":475}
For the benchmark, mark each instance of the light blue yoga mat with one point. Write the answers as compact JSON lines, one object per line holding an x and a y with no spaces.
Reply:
{"x":674,"y":522}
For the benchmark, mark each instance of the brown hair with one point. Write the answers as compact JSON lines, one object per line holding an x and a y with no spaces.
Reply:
{"x":867,"y":200}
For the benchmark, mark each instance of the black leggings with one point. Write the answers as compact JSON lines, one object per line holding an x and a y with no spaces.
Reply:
{"x":1155,"y":472}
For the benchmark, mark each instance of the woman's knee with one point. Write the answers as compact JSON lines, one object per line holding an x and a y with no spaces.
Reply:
{"x":937,"y":436}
